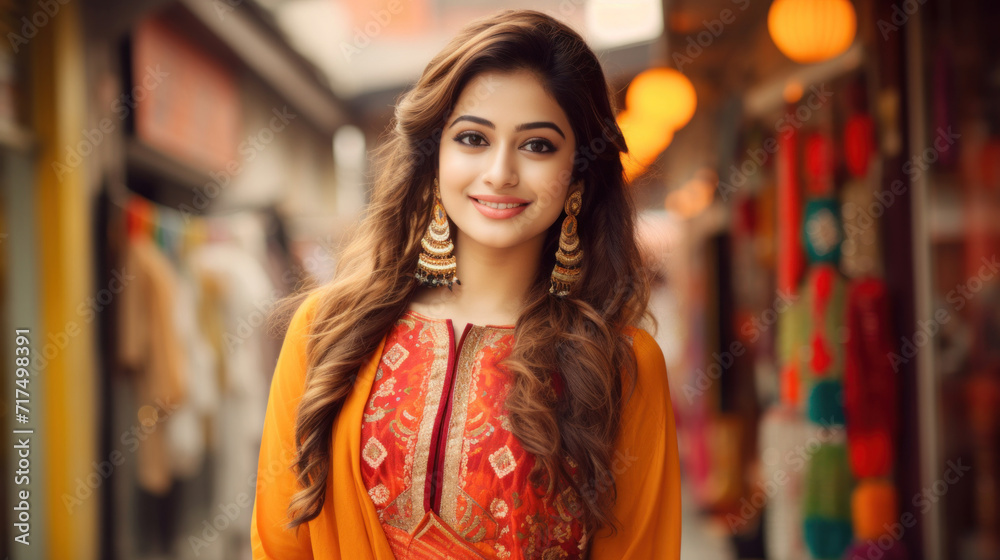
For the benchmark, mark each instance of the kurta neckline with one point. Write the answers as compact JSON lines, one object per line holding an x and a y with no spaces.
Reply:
{"x":439,"y":320}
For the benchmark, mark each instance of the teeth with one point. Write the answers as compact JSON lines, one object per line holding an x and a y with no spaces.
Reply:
{"x":499,"y":206}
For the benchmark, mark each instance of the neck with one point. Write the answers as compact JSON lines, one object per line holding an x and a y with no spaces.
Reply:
{"x":495,"y":282}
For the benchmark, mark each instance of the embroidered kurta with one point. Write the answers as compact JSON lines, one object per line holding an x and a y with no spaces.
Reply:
{"x":437,"y":469}
{"x":438,"y":458}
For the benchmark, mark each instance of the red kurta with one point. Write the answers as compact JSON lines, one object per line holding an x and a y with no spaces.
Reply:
{"x":438,"y":458}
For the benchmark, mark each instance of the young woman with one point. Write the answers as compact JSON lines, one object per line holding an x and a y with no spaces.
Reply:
{"x":474,"y":383}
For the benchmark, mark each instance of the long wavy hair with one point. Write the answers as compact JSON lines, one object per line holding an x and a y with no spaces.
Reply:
{"x":580,"y":337}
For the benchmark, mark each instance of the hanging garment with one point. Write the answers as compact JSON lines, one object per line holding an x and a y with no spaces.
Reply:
{"x":150,"y":353}
{"x":189,"y":425}
{"x":244,"y":299}
{"x":371,"y":512}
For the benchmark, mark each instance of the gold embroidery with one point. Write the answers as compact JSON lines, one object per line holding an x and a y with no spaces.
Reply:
{"x":468,"y":523}
{"x":437,"y":335}
{"x":503,"y":461}
{"x":374,"y":452}
{"x":432,"y":529}
{"x":379,"y":494}
{"x":395,"y":356}
{"x":498,"y":508}
{"x":453,"y":454}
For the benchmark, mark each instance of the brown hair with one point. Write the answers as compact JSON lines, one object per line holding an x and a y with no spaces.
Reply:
{"x":580,"y":336}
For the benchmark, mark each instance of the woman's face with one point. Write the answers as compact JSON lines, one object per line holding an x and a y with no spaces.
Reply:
{"x":506,"y":141}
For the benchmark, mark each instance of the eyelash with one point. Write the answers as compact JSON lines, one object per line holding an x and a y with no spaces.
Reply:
{"x":542,"y":141}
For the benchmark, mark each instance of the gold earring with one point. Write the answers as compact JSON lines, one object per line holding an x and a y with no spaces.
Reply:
{"x":436,"y":265}
{"x":566,"y":271}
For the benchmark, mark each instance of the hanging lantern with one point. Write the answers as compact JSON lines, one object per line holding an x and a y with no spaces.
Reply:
{"x":663,"y":95}
{"x":645,"y":140}
{"x":809,"y":31}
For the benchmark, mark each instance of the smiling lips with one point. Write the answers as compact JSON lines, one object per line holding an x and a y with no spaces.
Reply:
{"x":499,"y":207}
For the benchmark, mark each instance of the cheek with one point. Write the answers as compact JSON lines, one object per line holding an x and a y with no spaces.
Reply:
{"x":549,"y":207}
{"x":458,"y":165}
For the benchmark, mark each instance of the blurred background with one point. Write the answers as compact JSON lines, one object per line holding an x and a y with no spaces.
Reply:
{"x":820,"y":191}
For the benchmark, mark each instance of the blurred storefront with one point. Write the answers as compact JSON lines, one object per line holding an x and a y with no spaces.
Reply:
{"x":838,"y":388}
{"x":823,"y":233}
{"x":169,"y":175}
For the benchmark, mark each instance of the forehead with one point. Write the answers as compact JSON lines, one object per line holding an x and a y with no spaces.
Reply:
{"x":508,"y":98}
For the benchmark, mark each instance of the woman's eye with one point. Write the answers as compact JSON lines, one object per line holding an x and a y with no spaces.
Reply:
{"x":476,"y":140}
{"x":541,"y":146}
{"x":478,"y":137}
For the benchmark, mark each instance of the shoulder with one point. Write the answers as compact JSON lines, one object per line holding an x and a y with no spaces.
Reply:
{"x":298,"y":329}
{"x":304,"y":313}
{"x":651,"y":369}
{"x":645,"y":348}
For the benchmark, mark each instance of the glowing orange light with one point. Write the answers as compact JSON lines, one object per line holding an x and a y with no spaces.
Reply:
{"x":809,"y":31}
{"x":645,"y":140}
{"x":663,"y":95}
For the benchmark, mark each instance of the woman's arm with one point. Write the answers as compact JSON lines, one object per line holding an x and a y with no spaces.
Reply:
{"x":275,"y":481}
{"x":646,"y":468}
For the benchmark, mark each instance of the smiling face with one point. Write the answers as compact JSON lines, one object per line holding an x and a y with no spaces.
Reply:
{"x":505,"y":161}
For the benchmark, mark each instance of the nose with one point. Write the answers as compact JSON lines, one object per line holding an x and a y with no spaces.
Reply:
{"x":502,"y":172}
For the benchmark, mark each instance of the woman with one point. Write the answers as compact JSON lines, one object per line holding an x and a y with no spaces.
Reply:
{"x":473,"y":383}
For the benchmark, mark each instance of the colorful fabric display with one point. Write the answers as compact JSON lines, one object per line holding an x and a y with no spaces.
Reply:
{"x":873,"y":508}
{"x":827,"y":506}
{"x":870,"y":383}
{"x":861,"y":251}
{"x":826,"y":403}
{"x":790,"y":261}
{"x":821,"y":231}
{"x":859,"y":143}
{"x":825,"y":296}
{"x":782,"y":437}
{"x":819,"y":164}
{"x":792,"y":347}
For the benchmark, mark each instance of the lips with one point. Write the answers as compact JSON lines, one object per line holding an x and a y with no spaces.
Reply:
{"x":499,"y":213}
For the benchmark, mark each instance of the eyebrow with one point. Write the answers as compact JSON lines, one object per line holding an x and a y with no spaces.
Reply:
{"x":518,"y":128}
